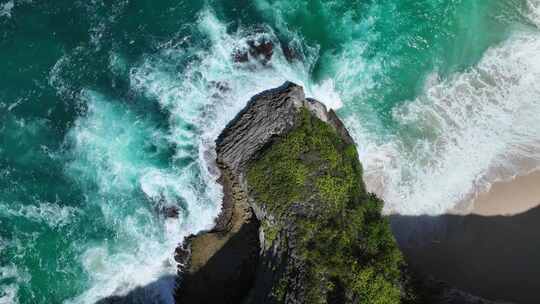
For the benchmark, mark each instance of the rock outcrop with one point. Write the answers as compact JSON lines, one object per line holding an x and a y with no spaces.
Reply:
{"x":297,"y":225}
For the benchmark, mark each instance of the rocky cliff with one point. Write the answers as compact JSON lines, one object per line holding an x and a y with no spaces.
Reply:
{"x":297,"y":225}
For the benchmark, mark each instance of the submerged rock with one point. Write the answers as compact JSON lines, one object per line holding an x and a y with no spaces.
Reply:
{"x":290,"y":53}
{"x":170,"y":211}
{"x":262,"y":50}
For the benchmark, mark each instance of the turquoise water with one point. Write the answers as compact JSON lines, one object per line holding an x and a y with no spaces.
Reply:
{"x":109,"y":111}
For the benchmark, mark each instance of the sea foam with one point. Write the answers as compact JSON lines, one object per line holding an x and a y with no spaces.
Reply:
{"x":462,"y":133}
{"x":10,"y":280}
{"x":111,"y":149}
{"x":47,"y":213}
{"x":6,"y":8}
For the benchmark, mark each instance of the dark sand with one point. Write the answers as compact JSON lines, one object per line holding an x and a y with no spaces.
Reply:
{"x":493,"y":251}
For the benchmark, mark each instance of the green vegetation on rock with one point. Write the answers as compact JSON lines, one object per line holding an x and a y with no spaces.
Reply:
{"x":312,"y":178}
{"x":270,"y":231}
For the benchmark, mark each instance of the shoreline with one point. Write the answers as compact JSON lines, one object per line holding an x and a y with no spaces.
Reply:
{"x":518,"y":195}
{"x":509,"y":197}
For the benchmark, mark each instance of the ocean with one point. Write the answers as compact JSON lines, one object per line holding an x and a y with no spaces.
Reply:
{"x":109,"y":111}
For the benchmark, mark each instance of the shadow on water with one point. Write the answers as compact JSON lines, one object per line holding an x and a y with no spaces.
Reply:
{"x":157,"y":292}
{"x":496,"y":257}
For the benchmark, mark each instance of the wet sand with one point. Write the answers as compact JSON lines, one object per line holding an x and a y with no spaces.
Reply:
{"x":493,"y":251}
{"x":509,"y":198}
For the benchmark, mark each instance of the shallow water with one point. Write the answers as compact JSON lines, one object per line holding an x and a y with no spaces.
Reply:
{"x":109,"y":111}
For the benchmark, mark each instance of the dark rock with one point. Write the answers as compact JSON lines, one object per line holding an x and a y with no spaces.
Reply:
{"x":240,"y":56}
{"x":170,"y":211}
{"x":163,"y":208}
{"x":290,"y":53}
{"x":221,"y":86}
{"x":266,"y":115}
{"x":183,"y":252}
{"x":262,"y":50}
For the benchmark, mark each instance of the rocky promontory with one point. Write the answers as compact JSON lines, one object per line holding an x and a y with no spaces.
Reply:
{"x":297,"y":225}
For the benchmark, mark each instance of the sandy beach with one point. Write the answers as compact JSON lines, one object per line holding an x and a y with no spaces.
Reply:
{"x":491,"y":251}
{"x":509,"y":198}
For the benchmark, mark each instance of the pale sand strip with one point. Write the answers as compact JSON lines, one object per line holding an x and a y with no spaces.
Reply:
{"x":510,"y":197}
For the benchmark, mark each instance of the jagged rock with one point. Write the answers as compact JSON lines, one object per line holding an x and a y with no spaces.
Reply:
{"x":183,"y":252}
{"x":266,"y":116}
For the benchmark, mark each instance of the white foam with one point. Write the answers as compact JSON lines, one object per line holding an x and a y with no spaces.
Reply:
{"x":9,"y":294}
{"x":534,"y":11}
{"x":107,"y":148}
{"x":10,"y":280}
{"x":326,"y":91}
{"x":6,"y":8}
{"x":350,"y":73}
{"x":462,"y":133}
{"x":51,"y":214}
{"x":117,"y":272}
